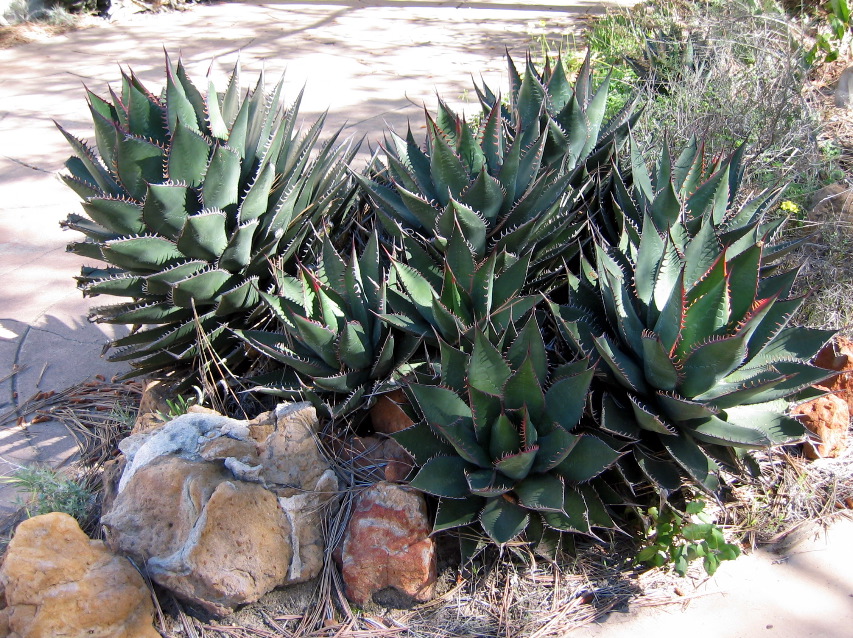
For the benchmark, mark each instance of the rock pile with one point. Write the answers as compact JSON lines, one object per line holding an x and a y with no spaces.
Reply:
{"x":222,"y":511}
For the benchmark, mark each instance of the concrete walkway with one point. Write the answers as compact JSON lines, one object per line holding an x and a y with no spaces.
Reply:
{"x":373,"y":63}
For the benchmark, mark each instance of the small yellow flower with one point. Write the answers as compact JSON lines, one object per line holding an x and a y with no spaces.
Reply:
{"x":790,"y":207}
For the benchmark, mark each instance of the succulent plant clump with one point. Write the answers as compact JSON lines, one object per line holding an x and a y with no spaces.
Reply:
{"x":187,"y":197}
{"x":496,"y":441}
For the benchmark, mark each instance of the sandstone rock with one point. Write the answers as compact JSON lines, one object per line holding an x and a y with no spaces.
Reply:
{"x":290,"y":455}
{"x":387,"y":554}
{"x":303,"y":511}
{"x":180,"y":437}
{"x":151,"y":406}
{"x":238,"y":550}
{"x":110,"y":478}
{"x":829,"y":418}
{"x":387,"y":416}
{"x":157,"y":511}
{"x":844,"y":90}
{"x":218,"y":516}
{"x":838,"y":355}
{"x":60,"y":583}
{"x":262,"y":426}
{"x":200,"y":409}
{"x":378,"y":459}
{"x":833,"y":204}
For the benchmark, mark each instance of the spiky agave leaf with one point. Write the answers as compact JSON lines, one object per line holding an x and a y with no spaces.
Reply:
{"x":520,"y":183}
{"x":572,"y":115}
{"x":188,"y":197}
{"x":449,"y":305}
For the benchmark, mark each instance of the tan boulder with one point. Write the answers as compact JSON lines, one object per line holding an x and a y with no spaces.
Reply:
{"x":215,"y":541}
{"x":829,"y":419}
{"x":387,"y":554}
{"x":238,"y":550}
{"x":290,"y":456}
{"x":58,"y":582}
{"x":158,"y":509}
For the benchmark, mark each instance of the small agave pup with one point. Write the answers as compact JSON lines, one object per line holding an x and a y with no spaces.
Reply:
{"x":187,"y":198}
{"x":333,"y":344}
{"x":496,"y":445}
{"x":691,"y":328}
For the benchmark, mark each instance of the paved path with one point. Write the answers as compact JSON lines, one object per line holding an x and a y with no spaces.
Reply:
{"x":372,"y":62}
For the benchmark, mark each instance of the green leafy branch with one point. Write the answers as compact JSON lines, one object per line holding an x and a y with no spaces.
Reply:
{"x":829,"y":45}
{"x":672,"y":541}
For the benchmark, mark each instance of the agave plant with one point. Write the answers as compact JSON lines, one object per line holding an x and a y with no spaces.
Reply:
{"x":514,"y":185}
{"x":187,"y":198}
{"x":579,"y":139}
{"x":692,"y":330}
{"x":333,"y":344}
{"x":450,"y":304}
{"x":495,"y":440}
{"x":671,"y":56}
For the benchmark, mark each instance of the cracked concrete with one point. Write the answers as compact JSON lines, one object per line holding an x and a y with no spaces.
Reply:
{"x":373,"y":63}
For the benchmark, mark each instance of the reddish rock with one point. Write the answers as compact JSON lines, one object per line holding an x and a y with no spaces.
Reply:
{"x":829,"y":418}
{"x":387,"y":416}
{"x":377,"y":458}
{"x":387,"y":554}
{"x":398,"y":462}
{"x":838,"y":355}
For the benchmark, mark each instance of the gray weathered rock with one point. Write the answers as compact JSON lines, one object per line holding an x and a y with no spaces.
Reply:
{"x":221,"y":511}
{"x":844,"y":91}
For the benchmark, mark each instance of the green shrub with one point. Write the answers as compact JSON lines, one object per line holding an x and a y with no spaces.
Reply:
{"x":49,"y":491}
{"x":672,"y":541}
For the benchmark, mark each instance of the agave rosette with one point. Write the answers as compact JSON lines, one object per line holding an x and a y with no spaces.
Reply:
{"x":187,"y":197}
{"x":692,"y":330}
{"x":514,"y":184}
{"x":495,"y":440}
{"x":333,"y":345}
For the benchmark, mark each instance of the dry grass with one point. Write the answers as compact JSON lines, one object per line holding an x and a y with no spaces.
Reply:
{"x":791,"y":498}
